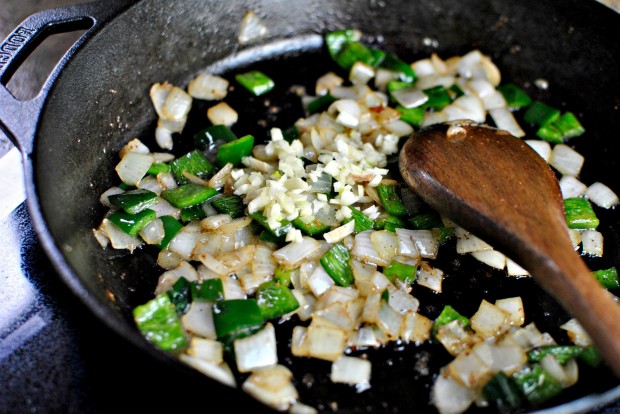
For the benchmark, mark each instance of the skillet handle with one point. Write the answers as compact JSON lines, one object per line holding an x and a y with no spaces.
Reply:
{"x":19,"y":119}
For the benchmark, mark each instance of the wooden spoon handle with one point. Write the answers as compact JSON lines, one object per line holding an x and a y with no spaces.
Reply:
{"x":566,"y":277}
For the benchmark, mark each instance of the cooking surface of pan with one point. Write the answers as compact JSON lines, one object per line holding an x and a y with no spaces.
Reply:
{"x":100,"y":101}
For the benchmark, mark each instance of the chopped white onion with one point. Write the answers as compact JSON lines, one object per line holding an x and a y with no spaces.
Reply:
{"x":504,"y":119}
{"x":566,"y":160}
{"x":208,"y":87}
{"x":272,"y":386}
{"x":222,"y":114}
{"x":198,"y":320}
{"x":543,"y":148}
{"x":571,"y":187}
{"x":601,"y":195}
{"x":592,"y":243}
{"x":218,"y":372}
{"x":133,"y":167}
{"x":351,"y":370}
{"x":256,"y":351}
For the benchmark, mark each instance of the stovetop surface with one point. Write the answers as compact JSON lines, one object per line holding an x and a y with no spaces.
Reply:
{"x":55,"y":355}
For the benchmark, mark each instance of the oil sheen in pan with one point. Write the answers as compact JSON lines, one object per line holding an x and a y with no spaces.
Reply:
{"x":402,"y":374}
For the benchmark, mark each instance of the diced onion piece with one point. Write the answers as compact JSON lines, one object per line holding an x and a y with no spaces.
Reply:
{"x":489,"y":321}
{"x":326,"y":82}
{"x":361,"y":73}
{"x":325,"y":342}
{"x":168,"y":260}
{"x":576,"y":333}
{"x":566,"y":160}
{"x":252,"y":29}
{"x":530,"y":337}
{"x":347,"y":112}
{"x":424,"y":67}
{"x":543,"y":148}
{"x":571,"y":187}
{"x":134,"y":145}
{"x":208,"y":87}
{"x":272,"y":386}
{"x":449,"y":396}
{"x":592,"y":243}
{"x":514,"y":269}
{"x":218,"y":372}
{"x":410,"y":97}
{"x":389,"y":321}
{"x":103,"y":199}
{"x":209,"y":350}
{"x":170,"y":277}
{"x":198,"y":320}
{"x":256,"y":351}
{"x":158,"y":93}
{"x":416,"y":328}
{"x":183,"y":242}
{"x":320,"y":281}
{"x":306,"y":302}
{"x":363,"y":249}
{"x":398,"y":128}
{"x":118,"y":238}
{"x":425,"y":243}
{"x":492,"y":258}
{"x":430,"y":276}
{"x":351,"y":370}
{"x":504,"y":119}
{"x":455,"y":338}
{"x":133,"y":167}
{"x":601,"y":195}
{"x":514,"y":308}
{"x":383,"y":76}
{"x":293,"y":254}
{"x":566,"y":374}
{"x":177,"y":105}
{"x":496,"y":101}
{"x":153,"y":232}
{"x":467,"y":242}
{"x":468,"y":369}
{"x":223,"y":114}
{"x":215,"y":222}
{"x":163,"y":137}
{"x":402,"y":302}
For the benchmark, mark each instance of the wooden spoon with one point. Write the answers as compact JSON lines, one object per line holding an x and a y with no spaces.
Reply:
{"x":495,"y":186}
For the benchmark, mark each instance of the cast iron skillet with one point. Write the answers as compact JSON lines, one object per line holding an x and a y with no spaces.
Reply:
{"x":97,"y":99}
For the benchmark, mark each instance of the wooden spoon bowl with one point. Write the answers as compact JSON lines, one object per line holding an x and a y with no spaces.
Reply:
{"x":497,"y":187}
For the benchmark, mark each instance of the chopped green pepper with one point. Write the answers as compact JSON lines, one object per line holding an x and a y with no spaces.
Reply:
{"x":447,"y":315}
{"x":540,"y":114}
{"x":438,"y":97}
{"x":356,"y":52}
{"x":580,"y":214}
{"x":405,"y":72}
{"x":275,"y":300}
{"x":391,"y":200}
{"x":337,"y":264}
{"x":195,"y":163}
{"x":206,"y":139}
{"x":549,"y":132}
{"x":591,"y":356}
{"x":404,"y":272}
{"x":291,"y":133}
{"x":362,"y":221}
{"x":283,"y":275}
{"x":312,"y":228}
{"x":192,"y":213}
{"x":159,"y":167}
{"x":320,"y":104}
{"x":180,"y":295}
{"x":536,"y":384}
{"x":132,"y":223}
{"x":515,"y":97}
{"x":412,"y":116}
{"x":188,"y":195}
{"x":503,"y":393}
{"x":159,"y":322}
{"x":209,"y":290}
{"x":608,"y":277}
{"x":171,"y":228}
{"x":285,"y":225}
{"x":232,"y":152}
{"x":336,"y":40}
{"x":426,"y":221}
{"x":569,"y":126}
{"x":229,"y":204}
{"x":236,"y":318}
{"x":134,"y":201}
{"x":563,"y":353}
{"x":255,"y":81}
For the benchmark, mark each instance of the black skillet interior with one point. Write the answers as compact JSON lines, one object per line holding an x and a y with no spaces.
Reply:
{"x":100,"y":101}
